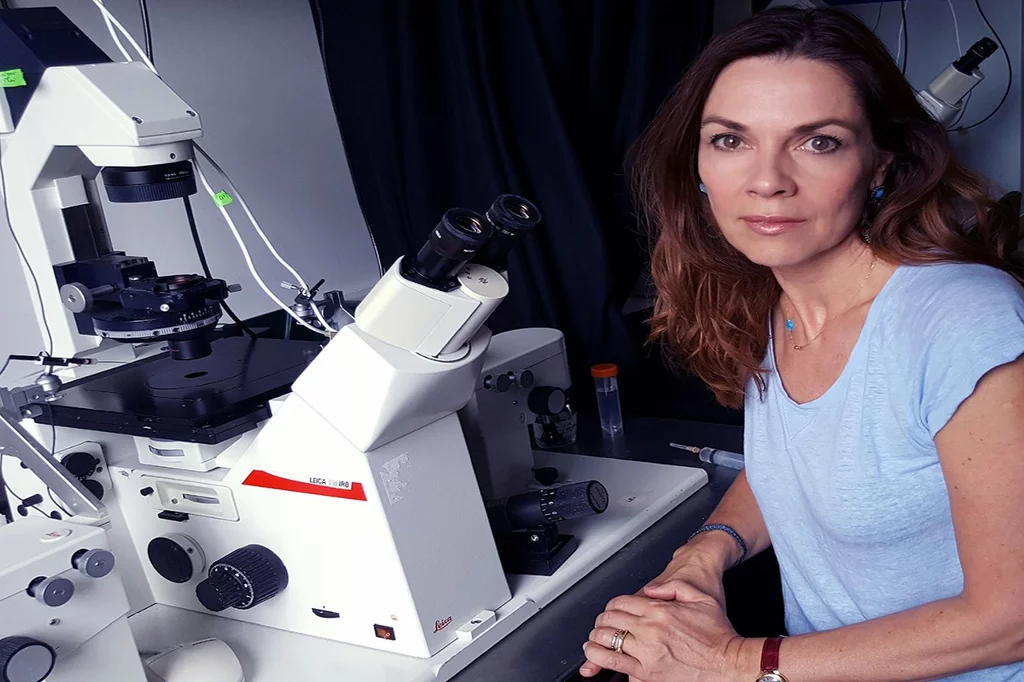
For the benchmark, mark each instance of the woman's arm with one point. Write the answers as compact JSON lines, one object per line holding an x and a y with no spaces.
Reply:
{"x":982,"y":454}
{"x":699,"y":564}
{"x":737,"y":509}
{"x":981,"y":450}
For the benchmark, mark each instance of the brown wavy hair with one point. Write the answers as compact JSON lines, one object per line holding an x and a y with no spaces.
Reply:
{"x":712,"y":303}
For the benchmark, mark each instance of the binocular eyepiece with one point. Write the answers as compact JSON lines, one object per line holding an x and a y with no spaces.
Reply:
{"x":464,"y":235}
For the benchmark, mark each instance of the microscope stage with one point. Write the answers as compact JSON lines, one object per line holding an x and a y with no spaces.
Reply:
{"x":207,"y":400}
{"x":640,"y":494}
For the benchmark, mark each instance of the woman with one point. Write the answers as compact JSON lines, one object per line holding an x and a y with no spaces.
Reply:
{"x":813,"y":266}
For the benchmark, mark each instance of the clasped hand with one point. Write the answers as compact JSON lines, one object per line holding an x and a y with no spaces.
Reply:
{"x":677,"y":628}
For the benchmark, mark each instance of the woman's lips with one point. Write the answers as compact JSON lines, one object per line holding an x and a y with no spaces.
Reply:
{"x":771,"y":224}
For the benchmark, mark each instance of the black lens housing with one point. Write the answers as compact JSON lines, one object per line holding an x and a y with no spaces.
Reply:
{"x":512,"y":218}
{"x":452,"y":244}
{"x":128,"y":185}
{"x":978,"y":52}
{"x":180,"y":309}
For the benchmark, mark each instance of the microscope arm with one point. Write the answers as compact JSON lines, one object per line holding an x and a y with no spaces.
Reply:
{"x":16,"y":441}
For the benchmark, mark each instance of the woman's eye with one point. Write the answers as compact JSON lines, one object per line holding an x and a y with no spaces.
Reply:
{"x":726,"y":141}
{"x":822,"y":144}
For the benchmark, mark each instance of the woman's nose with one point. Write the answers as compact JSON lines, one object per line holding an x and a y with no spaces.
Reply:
{"x":769,"y":176}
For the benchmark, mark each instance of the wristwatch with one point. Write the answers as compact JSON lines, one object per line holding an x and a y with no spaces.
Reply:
{"x":770,"y":661}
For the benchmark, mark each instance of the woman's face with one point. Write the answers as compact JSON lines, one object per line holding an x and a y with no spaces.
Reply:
{"x":787,"y":159}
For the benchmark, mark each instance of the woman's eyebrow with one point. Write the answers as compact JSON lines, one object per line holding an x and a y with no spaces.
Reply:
{"x":800,"y":129}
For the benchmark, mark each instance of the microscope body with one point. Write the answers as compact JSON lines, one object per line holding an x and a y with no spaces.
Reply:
{"x":523,"y":388}
{"x":75,"y":622}
{"x":360,"y":486}
{"x":78,"y":115}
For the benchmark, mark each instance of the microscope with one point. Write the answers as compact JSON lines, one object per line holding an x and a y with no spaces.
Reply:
{"x":391,"y":503}
{"x":944,"y":97}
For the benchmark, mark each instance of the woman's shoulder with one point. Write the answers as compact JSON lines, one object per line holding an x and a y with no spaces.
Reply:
{"x":948,"y":287}
{"x":951,"y":300}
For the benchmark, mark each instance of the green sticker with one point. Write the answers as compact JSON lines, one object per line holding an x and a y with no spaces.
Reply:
{"x":222,"y":198}
{"x":13,"y":78}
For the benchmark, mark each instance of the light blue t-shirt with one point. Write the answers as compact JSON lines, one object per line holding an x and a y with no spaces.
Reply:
{"x":850,"y":484}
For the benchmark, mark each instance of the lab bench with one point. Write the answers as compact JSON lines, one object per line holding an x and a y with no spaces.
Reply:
{"x":548,"y":647}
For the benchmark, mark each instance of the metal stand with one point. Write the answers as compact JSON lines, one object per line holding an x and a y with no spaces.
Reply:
{"x":16,"y":441}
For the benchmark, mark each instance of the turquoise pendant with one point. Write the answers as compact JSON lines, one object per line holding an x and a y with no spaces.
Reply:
{"x":789,"y":325}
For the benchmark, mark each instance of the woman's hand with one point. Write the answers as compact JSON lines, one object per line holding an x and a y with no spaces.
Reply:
{"x":687,"y":639}
{"x":694,"y":574}
{"x":693,"y":565}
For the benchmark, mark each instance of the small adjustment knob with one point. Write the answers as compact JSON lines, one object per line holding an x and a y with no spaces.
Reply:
{"x":55,"y":591}
{"x":526,"y":378}
{"x":243,"y":579}
{"x":23,"y":659}
{"x":93,"y":563}
{"x":499,"y":383}
{"x":546,"y":400}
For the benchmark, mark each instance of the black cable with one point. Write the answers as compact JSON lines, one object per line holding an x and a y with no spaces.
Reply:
{"x":148,"y":48}
{"x":21,"y":500}
{"x":28,"y":266}
{"x":878,"y":18}
{"x":147,"y":34}
{"x":206,"y":267}
{"x":905,"y":36}
{"x":1009,"y":70}
{"x":57,"y":504}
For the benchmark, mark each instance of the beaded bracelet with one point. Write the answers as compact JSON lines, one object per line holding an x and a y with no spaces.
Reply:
{"x":728,"y":529}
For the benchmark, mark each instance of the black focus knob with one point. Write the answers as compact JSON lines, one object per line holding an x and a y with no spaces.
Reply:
{"x":23,"y":659}
{"x":176,"y":557}
{"x":243,"y":579}
{"x":546,"y":400}
{"x":81,"y":465}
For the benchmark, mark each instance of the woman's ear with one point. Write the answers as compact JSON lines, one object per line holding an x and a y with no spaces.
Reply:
{"x":882,"y":163}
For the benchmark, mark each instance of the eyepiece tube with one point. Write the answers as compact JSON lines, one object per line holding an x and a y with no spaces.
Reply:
{"x":512,"y":218}
{"x":453,"y":243}
{"x":979,"y":52}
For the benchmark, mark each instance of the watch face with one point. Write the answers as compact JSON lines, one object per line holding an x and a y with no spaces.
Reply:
{"x":771,"y":677}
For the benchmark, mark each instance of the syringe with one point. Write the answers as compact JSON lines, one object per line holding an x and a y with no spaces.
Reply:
{"x":732,"y":460}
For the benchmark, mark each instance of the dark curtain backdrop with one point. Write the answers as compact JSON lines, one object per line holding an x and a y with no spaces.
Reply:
{"x":446,"y":103}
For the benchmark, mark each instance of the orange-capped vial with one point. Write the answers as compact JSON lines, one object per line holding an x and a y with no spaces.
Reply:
{"x":606,"y":383}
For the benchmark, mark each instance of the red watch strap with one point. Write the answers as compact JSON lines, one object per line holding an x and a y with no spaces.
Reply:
{"x":770,"y":654}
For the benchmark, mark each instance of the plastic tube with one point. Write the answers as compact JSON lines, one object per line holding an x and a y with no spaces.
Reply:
{"x":609,"y":409}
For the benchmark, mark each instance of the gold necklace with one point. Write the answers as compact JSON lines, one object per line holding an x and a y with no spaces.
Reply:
{"x":789,"y":320}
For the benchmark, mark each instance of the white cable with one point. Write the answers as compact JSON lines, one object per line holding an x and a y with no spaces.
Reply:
{"x":112,"y":22}
{"x":111,"y":19}
{"x":117,"y":41}
{"x":899,"y":40}
{"x":956,"y":26}
{"x":237,"y":195}
{"x":248,"y":258}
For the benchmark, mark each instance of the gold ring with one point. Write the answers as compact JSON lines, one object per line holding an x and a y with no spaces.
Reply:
{"x":618,"y":639}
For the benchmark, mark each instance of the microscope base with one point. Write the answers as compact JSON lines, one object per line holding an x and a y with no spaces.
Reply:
{"x":640,"y":494}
